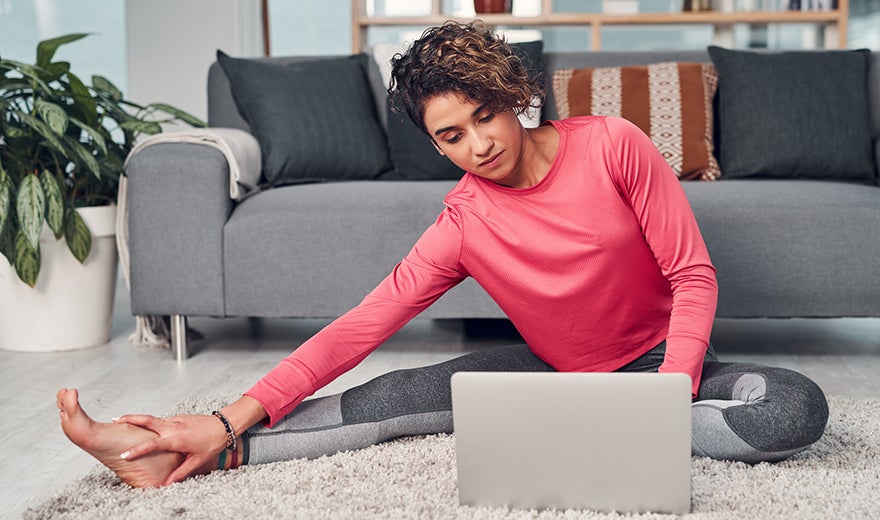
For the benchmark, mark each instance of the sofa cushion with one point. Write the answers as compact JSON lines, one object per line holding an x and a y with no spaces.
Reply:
{"x":780,"y":246}
{"x":295,"y":112}
{"x":671,"y":102}
{"x":322,"y":247}
{"x":412,"y":153}
{"x":794,"y":114}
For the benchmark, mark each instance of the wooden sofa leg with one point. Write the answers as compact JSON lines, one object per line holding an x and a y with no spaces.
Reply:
{"x":178,"y":337}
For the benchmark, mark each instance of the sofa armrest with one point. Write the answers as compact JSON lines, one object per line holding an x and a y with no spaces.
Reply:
{"x":241,"y":149}
{"x":178,"y":203}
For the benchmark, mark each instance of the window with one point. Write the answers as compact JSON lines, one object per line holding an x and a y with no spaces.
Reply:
{"x":24,"y":23}
{"x":309,"y":28}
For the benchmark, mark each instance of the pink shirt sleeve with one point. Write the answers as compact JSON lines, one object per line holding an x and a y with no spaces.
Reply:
{"x":429,"y":270}
{"x":669,"y":227}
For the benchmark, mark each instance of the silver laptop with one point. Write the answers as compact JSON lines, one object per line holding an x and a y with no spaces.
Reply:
{"x":601,"y":441}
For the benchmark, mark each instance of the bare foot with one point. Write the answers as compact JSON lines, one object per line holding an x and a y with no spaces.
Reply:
{"x":106,"y":441}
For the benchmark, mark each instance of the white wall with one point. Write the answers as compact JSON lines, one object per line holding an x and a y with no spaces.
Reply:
{"x":171,"y":44}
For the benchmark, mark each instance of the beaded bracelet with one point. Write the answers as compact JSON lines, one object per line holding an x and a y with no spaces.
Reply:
{"x":231,"y":441}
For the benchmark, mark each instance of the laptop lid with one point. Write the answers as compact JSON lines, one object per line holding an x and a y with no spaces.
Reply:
{"x":601,"y":441}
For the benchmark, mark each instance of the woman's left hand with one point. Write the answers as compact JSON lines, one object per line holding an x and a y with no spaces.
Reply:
{"x":200,"y":438}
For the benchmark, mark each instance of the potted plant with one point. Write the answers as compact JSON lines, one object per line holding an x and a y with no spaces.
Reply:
{"x":62,"y":148}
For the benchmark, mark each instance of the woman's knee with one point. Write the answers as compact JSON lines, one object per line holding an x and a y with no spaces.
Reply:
{"x":764,"y":413}
{"x":427,"y":389}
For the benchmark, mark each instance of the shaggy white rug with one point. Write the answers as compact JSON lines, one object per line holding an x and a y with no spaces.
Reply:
{"x":838,"y":477}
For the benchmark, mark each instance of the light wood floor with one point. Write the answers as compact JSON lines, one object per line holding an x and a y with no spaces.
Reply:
{"x":842,"y":356}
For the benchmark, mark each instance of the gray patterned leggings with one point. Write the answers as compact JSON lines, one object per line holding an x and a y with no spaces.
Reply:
{"x":744,"y":411}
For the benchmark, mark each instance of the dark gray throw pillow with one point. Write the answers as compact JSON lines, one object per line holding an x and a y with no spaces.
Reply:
{"x":413,"y":155}
{"x":800,"y":114}
{"x":314,"y":120}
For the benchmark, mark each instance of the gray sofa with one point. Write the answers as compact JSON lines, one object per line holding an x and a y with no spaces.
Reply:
{"x":782,"y":247}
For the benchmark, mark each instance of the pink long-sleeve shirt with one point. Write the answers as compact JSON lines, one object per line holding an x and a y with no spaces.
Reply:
{"x":595,"y":265}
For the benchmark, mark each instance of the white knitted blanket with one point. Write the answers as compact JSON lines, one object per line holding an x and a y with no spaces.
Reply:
{"x":242,"y":152}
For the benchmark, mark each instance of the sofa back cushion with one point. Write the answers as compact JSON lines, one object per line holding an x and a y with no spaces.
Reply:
{"x":874,"y":108}
{"x":314,"y":120}
{"x":555,"y":61}
{"x":223,"y":112}
{"x":670,"y":102}
{"x":796,"y":114}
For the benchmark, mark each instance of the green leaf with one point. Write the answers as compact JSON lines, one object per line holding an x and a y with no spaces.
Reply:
{"x":53,"y":115}
{"x":43,"y":129}
{"x":31,"y":206}
{"x":7,"y":240}
{"x":186,"y":117}
{"x":96,"y":136}
{"x":144,"y":127}
{"x":5,"y":197}
{"x":55,"y":70}
{"x":26,"y":70}
{"x":54,"y":203}
{"x":27,"y":260}
{"x":14,"y":132}
{"x":103,"y":85}
{"x":11,"y":87}
{"x":79,"y":238}
{"x":84,"y":155}
{"x":82,"y":96}
{"x":46,"y":48}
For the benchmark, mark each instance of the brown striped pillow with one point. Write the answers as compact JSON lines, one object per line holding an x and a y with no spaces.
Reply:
{"x":671,"y":102}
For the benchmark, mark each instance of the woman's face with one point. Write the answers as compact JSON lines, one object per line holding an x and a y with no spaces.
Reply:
{"x":477,"y":140}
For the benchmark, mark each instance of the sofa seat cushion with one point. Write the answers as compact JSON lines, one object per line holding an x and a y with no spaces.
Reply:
{"x":316,"y":250}
{"x":779,"y":246}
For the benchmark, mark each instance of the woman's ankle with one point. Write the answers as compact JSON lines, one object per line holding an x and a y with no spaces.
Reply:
{"x":230,"y":459}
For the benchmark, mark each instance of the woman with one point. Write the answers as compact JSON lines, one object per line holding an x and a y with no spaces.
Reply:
{"x":578,"y":229}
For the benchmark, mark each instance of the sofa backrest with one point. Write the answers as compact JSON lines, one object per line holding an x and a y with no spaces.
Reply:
{"x":577,"y":60}
{"x":222,"y":111}
{"x":874,"y":98}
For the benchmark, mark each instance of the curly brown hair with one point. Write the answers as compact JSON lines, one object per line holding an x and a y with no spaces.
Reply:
{"x":467,"y":59}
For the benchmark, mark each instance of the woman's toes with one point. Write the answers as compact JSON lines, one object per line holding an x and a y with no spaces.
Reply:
{"x":74,"y":421}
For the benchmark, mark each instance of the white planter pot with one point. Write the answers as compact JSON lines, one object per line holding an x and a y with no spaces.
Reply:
{"x":71,"y":306}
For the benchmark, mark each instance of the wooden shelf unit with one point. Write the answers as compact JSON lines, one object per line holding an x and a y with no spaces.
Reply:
{"x":834,"y":22}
